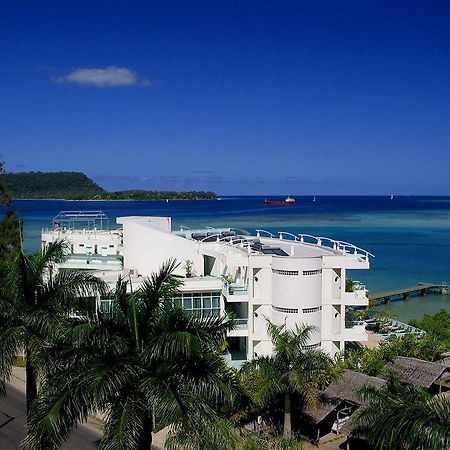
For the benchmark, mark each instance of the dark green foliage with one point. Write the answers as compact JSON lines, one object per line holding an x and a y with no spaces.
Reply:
{"x":160,"y":195}
{"x":437,"y":326}
{"x":292,"y":376}
{"x":371,"y":361}
{"x":145,"y":359}
{"x":10,"y":229}
{"x":10,"y":225}
{"x":34,"y":302}
{"x":41,"y":185}
{"x":78,"y":186}
{"x":404,"y":417}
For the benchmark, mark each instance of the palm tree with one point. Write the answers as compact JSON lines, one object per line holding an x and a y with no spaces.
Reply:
{"x":404,"y":417}
{"x":34,"y":300}
{"x":145,"y":360}
{"x":292,"y":376}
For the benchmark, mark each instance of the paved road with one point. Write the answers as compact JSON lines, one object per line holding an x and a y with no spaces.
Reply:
{"x":12,"y":425}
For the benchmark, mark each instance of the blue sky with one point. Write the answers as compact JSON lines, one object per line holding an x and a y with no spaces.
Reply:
{"x":240,"y":97}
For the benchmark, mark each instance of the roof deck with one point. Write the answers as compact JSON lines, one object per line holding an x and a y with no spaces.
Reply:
{"x":282,"y":244}
{"x":87,"y":220}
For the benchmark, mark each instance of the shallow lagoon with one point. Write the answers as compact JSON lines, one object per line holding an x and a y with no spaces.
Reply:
{"x":409,"y":236}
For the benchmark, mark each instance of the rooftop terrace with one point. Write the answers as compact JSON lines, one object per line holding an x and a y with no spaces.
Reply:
{"x":267,"y":243}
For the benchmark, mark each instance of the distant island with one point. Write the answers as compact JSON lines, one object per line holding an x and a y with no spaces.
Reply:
{"x":78,"y":186}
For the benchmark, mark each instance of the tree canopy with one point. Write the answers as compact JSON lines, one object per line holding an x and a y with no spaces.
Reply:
{"x":78,"y":186}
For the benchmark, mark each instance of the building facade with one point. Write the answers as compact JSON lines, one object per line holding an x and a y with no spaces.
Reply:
{"x":285,"y":278}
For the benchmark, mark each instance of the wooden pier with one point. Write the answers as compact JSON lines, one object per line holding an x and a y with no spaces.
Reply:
{"x":404,"y":294}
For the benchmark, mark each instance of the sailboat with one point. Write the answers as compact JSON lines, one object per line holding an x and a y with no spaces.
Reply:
{"x":392,"y":196}
{"x":314,"y":199}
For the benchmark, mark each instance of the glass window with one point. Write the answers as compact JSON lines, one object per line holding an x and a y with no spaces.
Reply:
{"x":207,"y":303}
{"x":187,"y":303}
{"x":197,"y":303}
{"x":203,"y":304}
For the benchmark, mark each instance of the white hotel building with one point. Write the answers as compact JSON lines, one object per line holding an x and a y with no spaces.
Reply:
{"x":288,"y":279}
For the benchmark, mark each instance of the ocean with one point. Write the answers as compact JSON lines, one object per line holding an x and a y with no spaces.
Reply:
{"x":409,"y":236}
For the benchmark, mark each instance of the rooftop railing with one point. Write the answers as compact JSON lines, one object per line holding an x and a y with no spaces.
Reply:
{"x":246,"y":242}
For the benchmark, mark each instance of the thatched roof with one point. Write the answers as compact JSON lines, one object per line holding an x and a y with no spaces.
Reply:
{"x":317,"y":414}
{"x":4,"y":419}
{"x":419,"y":372}
{"x":342,"y":390}
{"x":346,"y":387}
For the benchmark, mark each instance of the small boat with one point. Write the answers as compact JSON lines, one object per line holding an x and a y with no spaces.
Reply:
{"x":287,"y":201}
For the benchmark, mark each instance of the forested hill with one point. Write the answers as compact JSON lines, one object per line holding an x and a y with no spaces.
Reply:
{"x":78,"y":186}
{"x":64,"y":185}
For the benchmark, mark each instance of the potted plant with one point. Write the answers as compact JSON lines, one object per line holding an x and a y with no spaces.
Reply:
{"x":188,"y":267}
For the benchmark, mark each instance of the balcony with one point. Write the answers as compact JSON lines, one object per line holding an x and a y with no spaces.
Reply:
{"x":240,"y":328}
{"x":235,"y":291}
{"x":97,"y":262}
{"x":237,"y":352}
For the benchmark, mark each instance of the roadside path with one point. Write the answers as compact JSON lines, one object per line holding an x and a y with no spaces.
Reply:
{"x":13,"y":421}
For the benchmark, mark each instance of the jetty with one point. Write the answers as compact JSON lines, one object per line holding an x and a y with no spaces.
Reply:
{"x":405,"y":293}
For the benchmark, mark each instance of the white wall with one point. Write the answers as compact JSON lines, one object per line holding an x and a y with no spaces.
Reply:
{"x":146,"y":248}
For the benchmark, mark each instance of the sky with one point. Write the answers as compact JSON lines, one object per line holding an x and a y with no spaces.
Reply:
{"x":238,"y":97}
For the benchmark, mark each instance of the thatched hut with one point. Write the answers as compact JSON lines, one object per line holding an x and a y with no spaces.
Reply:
{"x":434,"y":376}
{"x":337,"y":402}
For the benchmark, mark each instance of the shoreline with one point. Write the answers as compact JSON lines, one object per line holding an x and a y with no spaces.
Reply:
{"x":115,"y":200}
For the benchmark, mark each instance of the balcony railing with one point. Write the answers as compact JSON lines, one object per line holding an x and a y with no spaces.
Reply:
{"x":235,"y":288}
{"x":240,"y":324}
{"x":109,"y":260}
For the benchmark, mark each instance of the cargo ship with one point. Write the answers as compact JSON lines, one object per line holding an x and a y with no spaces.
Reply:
{"x":287,"y":201}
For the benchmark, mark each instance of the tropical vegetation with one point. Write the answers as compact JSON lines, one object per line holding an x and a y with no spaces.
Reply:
{"x":286,"y":382}
{"x":78,"y":186}
{"x":437,"y":326}
{"x":145,"y":361}
{"x":34,"y":300}
{"x":404,"y":417}
{"x":371,"y":361}
{"x":10,"y":225}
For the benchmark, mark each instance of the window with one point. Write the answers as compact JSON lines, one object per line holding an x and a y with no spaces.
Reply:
{"x":106,"y":305}
{"x":285,"y":272}
{"x":311,"y":310}
{"x":202,"y":304}
{"x":312,"y":272}
{"x":285,"y":310}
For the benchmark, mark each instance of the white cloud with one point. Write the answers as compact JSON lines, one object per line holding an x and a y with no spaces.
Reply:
{"x":110,"y":76}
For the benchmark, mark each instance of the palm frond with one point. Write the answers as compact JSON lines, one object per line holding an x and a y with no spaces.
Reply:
{"x":405,"y":416}
{"x":128,"y":425}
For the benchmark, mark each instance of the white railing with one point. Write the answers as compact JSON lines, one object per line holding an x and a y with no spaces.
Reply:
{"x":282,"y":234}
{"x":267,"y":233}
{"x":240,"y":324}
{"x":83,"y":231}
{"x":342,"y":247}
{"x":235,"y":288}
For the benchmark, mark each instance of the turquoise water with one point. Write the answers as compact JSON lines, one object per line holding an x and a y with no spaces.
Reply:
{"x":409,"y":236}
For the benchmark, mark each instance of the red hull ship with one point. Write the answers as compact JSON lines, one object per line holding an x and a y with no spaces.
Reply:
{"x":286,"y":201}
